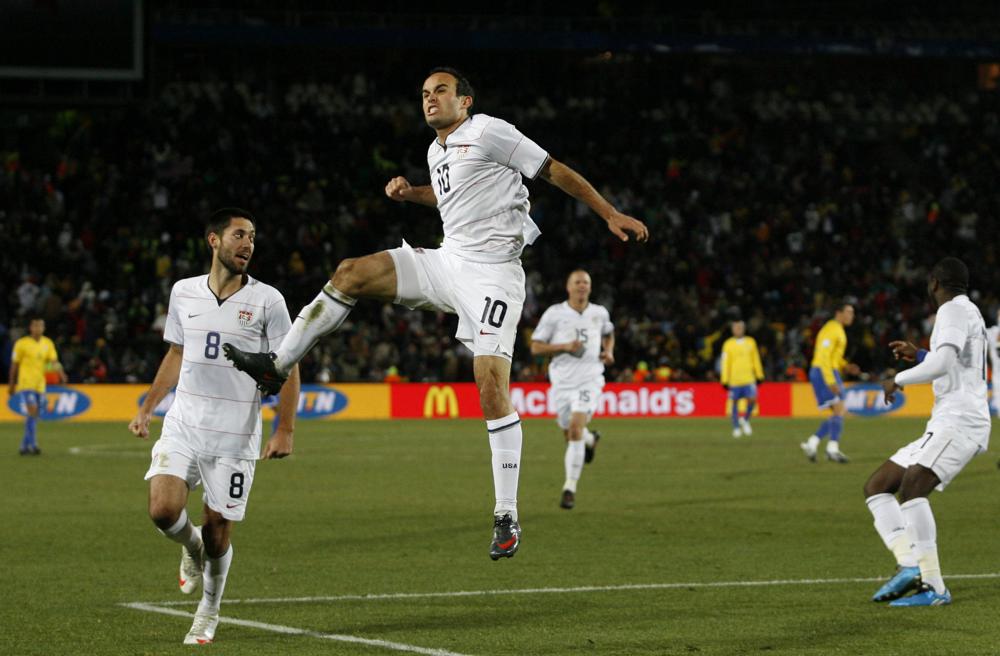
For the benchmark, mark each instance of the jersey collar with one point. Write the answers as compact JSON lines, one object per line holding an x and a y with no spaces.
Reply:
{"x":444,"y":146}
{"x":220,"y":301}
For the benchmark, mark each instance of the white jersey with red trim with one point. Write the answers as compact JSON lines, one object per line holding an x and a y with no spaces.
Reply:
{"x":477,"y":180}
{"x":216,"y":408}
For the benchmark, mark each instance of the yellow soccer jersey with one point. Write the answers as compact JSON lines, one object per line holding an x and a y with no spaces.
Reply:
{"x":31,"y":357}
{"x":741,"y":362}
{"x":828,"y":354}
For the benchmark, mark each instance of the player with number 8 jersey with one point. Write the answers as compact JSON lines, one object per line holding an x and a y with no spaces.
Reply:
{"x":216,"y":409}
{"x":211,"y":433}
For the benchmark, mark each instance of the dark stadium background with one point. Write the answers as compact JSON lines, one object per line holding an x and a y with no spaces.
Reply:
{"x":783,"y":157}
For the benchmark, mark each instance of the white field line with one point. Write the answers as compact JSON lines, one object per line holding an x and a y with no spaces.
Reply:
{"x":106,"y":451}
{"x":585,"y":588}
{"x":290,"y":630}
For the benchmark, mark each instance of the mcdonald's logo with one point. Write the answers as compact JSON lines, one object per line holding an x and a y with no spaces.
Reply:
{"x":441,"y":401}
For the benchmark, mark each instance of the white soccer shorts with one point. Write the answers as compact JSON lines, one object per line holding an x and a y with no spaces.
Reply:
{"x":943,"y":449}
{"x":226,"y":481}
{"x":486,"y":297}
{"x":582,"y":398}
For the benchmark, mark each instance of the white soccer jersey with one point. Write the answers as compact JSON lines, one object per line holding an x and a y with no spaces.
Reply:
{"x":960,"y":395}
{"x":216,"y":409}
{"x":476,"y":177}
{"x":561,"y":324}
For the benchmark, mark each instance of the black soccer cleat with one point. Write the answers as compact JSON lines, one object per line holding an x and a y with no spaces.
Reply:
{"x":259,"y":366}
{"x":506,"y":537}
{"x":588,"y":451}
{"x":568,"y":500}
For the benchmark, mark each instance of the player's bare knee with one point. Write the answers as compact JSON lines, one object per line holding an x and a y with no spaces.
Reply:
{"x":575,"y":433}
{"x":163,"y":514}
{"x":873,"y":487}
{"x":348,"y":277}
{"x":215,"y":532}
{"x":493,"y":399}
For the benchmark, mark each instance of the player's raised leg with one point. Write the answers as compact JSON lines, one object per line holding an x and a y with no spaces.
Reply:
{"x":504,"y":427}
{"x":891,"y":527}
{"x":590,"y":440}
{"x":167,"y":498}
{"x":371,"y":276}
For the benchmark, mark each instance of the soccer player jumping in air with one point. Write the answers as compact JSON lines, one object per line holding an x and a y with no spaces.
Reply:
{"x":477,"y":164}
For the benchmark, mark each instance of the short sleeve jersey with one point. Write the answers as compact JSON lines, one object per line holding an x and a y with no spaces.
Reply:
{"x":216,"y":409}
{"x":960,"y":395}
{"x":828,"y":353}
{"x":32,"y":355}
{"x":477,"y":180}
{"x":560,"y":324}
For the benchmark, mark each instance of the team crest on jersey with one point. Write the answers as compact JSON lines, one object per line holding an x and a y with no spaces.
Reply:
{"x":463,"y":150}
{"x":245,"y":317}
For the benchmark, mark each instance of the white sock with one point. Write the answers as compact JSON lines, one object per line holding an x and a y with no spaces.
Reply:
{"x":186,"y":533}
{"x":813,"y":442}
{"x":322,"y":316}
{"x":833,"y":446}
{"x":588,"y":437}
{"x":922,"y":529}
{"x":573,"y":460}
{"x":505,"y":442}
{"x":891,"y":527}
{"x":214,"y":581}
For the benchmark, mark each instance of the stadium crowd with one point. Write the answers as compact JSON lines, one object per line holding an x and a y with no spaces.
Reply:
{"x":768,"y":195}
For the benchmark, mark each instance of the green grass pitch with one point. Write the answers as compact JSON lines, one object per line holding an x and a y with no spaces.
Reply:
{"x":401,"y":510}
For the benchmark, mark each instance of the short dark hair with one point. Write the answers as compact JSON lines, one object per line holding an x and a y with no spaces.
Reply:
{"x":952,"y":274}
{"x":220,"y":219}
{"x":32,"y":318}
{"x":842,"y":304}
{"x":462,"y":85}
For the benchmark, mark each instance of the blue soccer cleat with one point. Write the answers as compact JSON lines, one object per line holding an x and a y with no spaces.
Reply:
{"x":904,"y":580}
{"x":926,"y":597}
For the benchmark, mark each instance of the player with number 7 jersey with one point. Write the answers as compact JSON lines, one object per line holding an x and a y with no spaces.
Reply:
{"x":477,"y":167}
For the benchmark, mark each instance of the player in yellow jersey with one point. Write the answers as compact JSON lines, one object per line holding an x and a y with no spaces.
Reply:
{"x":33,"y":354}
{"x":741,"y":370}
{"x":827,"y":363}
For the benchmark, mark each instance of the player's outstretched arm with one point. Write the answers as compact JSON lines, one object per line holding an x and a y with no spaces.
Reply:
{"x":166,"y":378}
{"x":399,"y":189}
{"x":574,"y":184}
{"x":281,"y":443}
